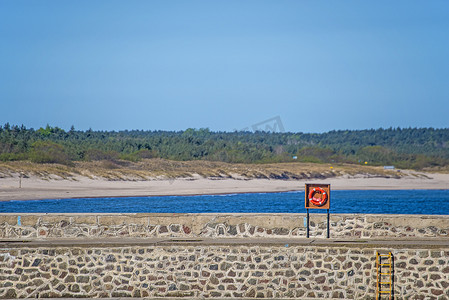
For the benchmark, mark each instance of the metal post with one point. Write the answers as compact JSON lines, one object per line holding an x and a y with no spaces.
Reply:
{"x":307,"y":223}
{"x":328,"y":229}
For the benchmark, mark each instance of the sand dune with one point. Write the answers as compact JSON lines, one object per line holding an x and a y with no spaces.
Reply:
{"x":77,"y":187}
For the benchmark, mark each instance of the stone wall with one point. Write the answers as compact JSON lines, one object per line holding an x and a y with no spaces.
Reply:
{"x":31,"y":226}
{"x":218,"y":271}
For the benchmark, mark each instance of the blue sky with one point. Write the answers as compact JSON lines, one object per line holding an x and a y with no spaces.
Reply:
{"x":225,"y":65}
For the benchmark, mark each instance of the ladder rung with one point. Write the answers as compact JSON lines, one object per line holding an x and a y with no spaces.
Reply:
{"x":385,"y":265}
{"x":387,"y":255}
{"x":384,"y":292}
{"x":384,"y":282}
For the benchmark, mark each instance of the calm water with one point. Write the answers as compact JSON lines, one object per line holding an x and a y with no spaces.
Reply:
{"x":373,"y":202}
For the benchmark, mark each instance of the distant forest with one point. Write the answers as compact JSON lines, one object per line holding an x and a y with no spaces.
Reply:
{"x":414,"y":148}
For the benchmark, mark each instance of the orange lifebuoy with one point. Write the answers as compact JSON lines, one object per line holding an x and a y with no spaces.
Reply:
{"x":318,"y":201}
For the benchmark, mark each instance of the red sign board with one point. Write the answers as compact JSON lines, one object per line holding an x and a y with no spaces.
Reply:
{"x":318,"y":196}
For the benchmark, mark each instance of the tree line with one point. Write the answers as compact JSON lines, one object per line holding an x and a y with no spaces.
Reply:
{"x":415,"y":148}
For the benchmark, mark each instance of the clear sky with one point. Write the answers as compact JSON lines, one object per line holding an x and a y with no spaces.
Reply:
{"x":225,"y":65}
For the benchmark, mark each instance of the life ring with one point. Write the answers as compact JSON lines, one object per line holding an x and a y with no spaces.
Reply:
{"x":318,"y":201}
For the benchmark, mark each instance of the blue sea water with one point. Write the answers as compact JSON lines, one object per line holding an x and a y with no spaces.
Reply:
{"x":367,"y":201}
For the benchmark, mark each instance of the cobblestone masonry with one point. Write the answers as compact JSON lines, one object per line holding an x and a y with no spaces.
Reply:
{"x":206,"y":271}
{"x":219,"y":225}
{"x":212,"y":271}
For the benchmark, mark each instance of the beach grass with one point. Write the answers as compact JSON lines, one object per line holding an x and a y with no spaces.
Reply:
{"x":150,"y":169}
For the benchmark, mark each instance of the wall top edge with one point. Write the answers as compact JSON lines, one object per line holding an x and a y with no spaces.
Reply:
{"x":140,"y":215}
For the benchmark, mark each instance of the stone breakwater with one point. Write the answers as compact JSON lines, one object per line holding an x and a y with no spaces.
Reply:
{"x":31,"y":226}
{"x":218,"y":271}
{"x":220,"y":255}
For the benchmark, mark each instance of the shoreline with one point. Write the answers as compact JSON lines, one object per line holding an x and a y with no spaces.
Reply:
{"x":234,"y":193}
{"x":34,"y":188}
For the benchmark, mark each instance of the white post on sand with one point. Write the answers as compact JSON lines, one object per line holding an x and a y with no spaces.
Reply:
{"x":20,"y":180}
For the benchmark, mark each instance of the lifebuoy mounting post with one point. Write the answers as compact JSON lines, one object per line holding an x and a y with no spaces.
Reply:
{"x":318,"y":196}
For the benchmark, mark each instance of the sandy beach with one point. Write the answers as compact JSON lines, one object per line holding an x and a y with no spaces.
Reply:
{"x":34,"y":188}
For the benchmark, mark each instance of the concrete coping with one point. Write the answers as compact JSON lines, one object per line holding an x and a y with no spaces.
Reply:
{"x":280,"y":242}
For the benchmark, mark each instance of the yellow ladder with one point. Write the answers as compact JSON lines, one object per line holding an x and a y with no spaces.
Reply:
{"x":384,"y":269}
